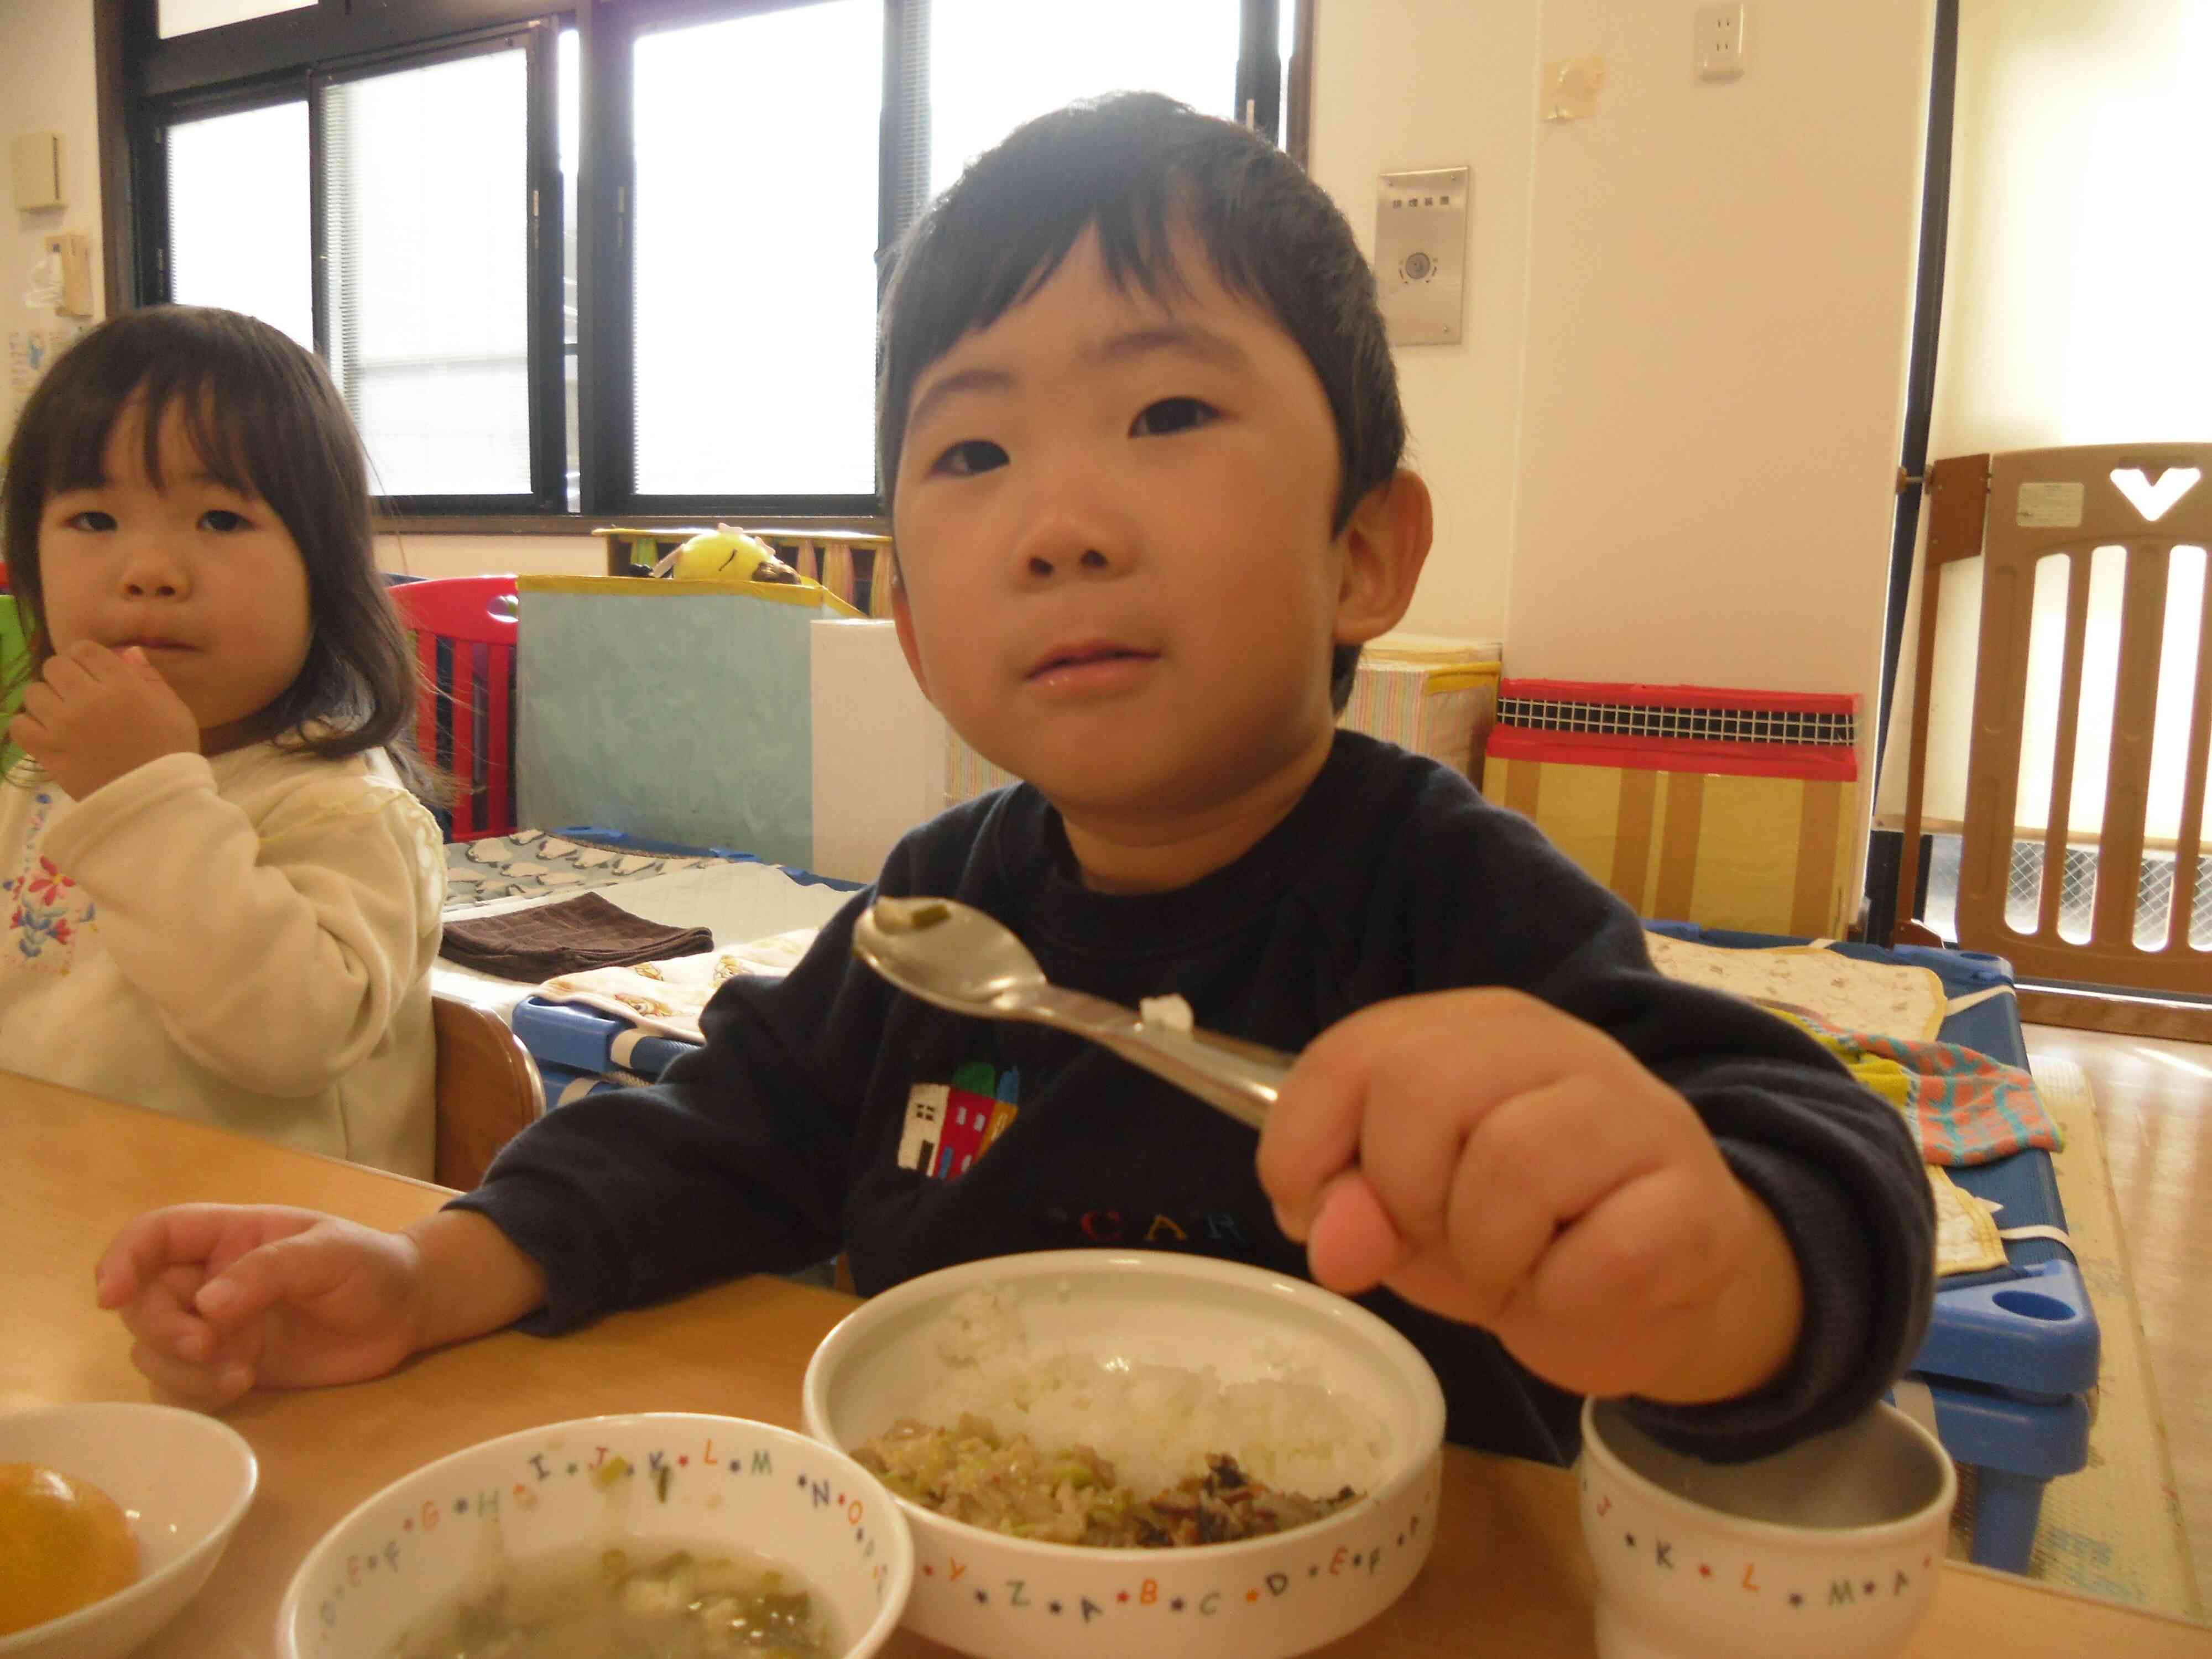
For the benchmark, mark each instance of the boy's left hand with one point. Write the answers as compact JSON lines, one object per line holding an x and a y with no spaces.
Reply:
{"x":94,"y":716}
{"x":1502,"y":1163}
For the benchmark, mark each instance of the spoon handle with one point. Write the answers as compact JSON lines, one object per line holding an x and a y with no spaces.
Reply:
{"x":1236,"y":1083}
{"x":1238,"y":1077}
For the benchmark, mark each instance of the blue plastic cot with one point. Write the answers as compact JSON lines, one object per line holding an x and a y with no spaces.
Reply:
{"x":580,"y":1050}
{"x":2011,"y":1355}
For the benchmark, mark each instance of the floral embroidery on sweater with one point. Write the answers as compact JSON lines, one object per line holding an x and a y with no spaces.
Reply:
{"x":48,"y":910}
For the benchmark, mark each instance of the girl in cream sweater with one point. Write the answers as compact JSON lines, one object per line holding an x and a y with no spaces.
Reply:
{"x":221,"y":900}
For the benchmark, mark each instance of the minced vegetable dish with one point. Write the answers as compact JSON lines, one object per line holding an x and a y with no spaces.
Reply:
{"x":1071,"y":1497}
{"x":582,"y":1602}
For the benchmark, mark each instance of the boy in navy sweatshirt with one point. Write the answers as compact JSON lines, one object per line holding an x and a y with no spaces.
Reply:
{"x":1140,"y":441}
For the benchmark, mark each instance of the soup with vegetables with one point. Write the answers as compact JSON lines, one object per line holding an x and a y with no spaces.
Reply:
{"x":702,"y":1602}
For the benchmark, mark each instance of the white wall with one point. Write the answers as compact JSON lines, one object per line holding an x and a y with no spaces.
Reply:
{"x":1664,"y":452}
{"x":1417,"y":83}
{"x":46,"y":84}
{"x":1682,"y":380}
{"x":1720,"y":303}
{"x":415,"y":554}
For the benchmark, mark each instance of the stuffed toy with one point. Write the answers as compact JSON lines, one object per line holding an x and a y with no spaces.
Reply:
{"x":728,"y":554}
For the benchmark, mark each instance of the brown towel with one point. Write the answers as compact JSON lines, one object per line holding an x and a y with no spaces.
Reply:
{"x":584,"y":931}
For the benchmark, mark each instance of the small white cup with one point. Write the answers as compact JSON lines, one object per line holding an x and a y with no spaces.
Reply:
{"x":1827,"y":1551}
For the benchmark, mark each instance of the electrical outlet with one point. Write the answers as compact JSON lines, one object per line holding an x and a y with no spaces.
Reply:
{"x":1719,"y":41}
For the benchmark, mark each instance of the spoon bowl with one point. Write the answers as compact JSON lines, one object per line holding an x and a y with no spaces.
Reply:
{"x":957,"y":957}
{"x":945,"y":952}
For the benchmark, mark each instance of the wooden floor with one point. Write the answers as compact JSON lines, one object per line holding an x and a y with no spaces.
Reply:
{"x":2154,"y":1102}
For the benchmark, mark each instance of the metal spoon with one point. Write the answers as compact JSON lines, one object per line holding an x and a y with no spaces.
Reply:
{"x":956,"y":957}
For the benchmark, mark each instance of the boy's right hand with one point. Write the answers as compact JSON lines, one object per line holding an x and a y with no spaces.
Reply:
{"x":223,"y":1298}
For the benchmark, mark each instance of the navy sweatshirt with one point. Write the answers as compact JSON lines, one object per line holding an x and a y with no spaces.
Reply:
{"x":828,"y":1110}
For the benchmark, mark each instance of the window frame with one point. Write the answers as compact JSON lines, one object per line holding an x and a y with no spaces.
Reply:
{"x":615,"y":397}
{"x":147,"y":84}
{"x":1886,"y":856}
{"x":152,"y":242}
{"x":539,"y":39}
{"x":288,"y":83}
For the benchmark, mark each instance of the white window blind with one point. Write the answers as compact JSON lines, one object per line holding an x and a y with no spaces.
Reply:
{"x":2073,"y":312}
{"x":756,"y":146}
{"x":239,"y":216}
{"x":426,"y":227}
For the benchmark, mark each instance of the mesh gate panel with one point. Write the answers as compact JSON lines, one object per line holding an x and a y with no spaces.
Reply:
{"x":2077,"y":896}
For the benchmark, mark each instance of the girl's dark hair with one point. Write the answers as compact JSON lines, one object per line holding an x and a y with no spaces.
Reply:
{"x":1135,"y":166}
{"x":264,"y":418}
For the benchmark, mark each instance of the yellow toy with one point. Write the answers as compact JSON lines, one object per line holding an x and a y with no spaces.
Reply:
{"x":728,"y":554}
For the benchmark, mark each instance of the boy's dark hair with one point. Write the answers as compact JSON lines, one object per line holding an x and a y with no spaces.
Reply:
{"x":1135,"y":166}
{"x":264,"y":418}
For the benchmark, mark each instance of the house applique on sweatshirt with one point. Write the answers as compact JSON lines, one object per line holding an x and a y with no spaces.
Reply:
{"x":950,"y":1125}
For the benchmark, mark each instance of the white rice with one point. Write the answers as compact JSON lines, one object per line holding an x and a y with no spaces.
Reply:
{"x":1154,"y":1423}
{"x":1169,"y":1012}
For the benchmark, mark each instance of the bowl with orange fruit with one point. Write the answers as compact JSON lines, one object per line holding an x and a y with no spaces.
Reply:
{"x":112,"y":1516}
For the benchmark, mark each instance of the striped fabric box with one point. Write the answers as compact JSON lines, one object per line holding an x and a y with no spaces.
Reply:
{"x":967,"y":773}
{"x":1434,"y":696}
{"x":1728,"y":808}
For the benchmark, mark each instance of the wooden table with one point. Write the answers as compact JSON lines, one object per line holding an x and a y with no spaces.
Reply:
{"x":1508,"y":1577}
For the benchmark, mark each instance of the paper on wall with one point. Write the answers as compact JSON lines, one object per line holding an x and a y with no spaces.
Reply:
{"x":27,"y":358}
{"x":45,"y":293}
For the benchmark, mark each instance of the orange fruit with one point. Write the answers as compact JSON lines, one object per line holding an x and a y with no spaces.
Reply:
{"x":64,"y":1545}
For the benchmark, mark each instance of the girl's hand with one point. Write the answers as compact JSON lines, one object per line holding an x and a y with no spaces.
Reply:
{"x":94,"y":716}
{"x":1505,"y":1164}
{"x":222,"y":1297}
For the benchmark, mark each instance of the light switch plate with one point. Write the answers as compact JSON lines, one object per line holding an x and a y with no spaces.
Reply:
{"x":34,"y":162}
{"x":1421,"y":253}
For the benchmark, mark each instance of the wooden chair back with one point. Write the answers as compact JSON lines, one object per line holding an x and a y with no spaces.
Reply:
{"x":489,"y":1089}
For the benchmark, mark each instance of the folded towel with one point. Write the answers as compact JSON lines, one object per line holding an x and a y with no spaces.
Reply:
{"x":576,"y":934}
{"x":667,"y":996}
{"x":1963,"y":1106}
{"x":1966,"y":1237}
{"x":1844,"y":991}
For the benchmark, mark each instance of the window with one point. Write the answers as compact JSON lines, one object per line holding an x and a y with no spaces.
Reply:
{"x":755,"y":361}
{"x":426,"y":238}
{"x":190,"y":16}
{"x":394,"y":216}
{"x":995,"y":63}
{"x":620,"y":263}
{"x":221,"y":252}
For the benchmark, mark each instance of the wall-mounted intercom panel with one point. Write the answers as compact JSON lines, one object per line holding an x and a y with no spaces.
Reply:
{"x":1421,"y":253}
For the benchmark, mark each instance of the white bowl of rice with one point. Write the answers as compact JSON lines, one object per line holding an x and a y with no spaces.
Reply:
{"x":1289,"y":1441}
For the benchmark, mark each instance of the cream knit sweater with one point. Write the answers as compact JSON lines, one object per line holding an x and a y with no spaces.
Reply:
{"x":246,"y":941}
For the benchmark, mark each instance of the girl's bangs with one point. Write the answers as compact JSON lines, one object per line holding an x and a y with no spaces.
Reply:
{"x":217,"y":422}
